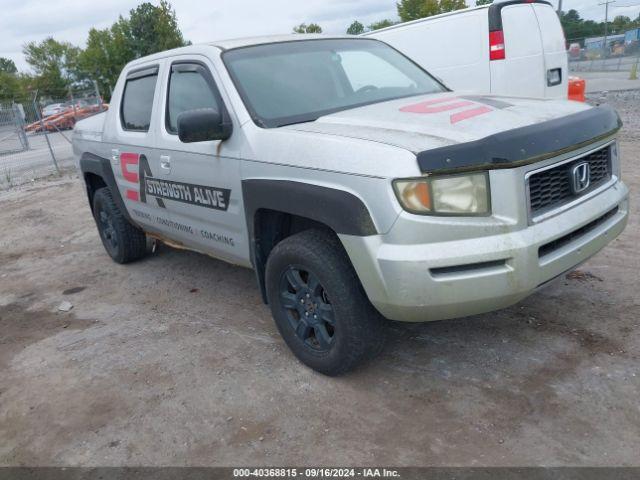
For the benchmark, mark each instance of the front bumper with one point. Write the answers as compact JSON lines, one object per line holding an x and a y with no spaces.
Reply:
{"x":455,"y":278}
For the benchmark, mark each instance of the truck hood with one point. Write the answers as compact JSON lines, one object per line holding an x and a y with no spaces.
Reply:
{"x":439,"y":120}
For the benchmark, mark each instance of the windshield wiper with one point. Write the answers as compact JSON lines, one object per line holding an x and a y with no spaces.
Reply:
{"x":296,"y":122}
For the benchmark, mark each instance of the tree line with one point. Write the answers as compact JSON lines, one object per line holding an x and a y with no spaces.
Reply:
{"x":407,"y":10}
{"x":576,"y":28}
{"x":57,"y":66}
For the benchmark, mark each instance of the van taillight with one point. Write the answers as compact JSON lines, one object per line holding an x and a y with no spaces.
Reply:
{"x":496,"y":45}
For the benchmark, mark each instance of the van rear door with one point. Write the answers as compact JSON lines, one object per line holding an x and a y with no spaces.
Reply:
{"x":555,"y":56}
{"x":521,"y":71}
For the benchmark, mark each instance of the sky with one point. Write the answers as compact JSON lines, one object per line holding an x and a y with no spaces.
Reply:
{"x":22,"y":21}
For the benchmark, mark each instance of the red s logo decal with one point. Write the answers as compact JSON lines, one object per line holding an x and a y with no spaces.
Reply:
{"x":438,"y":105}
{"x":133,"y":159}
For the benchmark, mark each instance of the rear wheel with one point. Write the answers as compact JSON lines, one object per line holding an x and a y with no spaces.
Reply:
{"x":123,"y":241}
{"x":319,"y":305}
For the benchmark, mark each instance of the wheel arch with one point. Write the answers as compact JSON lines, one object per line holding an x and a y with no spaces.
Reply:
{"x":93,"y":183}
{"x":97,"y":173}
{"x":277,"y":209}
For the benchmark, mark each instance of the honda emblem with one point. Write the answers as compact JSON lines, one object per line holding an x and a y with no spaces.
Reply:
{"x":580,"y":177}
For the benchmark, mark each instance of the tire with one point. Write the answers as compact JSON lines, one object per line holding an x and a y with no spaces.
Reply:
{"x":123,"y":241}
{"x":319,"y":305}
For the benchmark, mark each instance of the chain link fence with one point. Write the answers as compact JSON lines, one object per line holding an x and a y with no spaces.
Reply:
{"x":35,"y":133}
{"x":613,"y":53}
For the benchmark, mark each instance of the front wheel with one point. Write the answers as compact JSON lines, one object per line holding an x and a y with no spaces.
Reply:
{"x":319,"y":305}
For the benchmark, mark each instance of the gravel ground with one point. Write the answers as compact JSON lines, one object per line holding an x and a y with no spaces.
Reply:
{"x":627,"y":103}
{"x":607,"y":81}
{"x":175,"y":361}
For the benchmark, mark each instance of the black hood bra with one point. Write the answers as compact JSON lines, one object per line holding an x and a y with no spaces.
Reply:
{"x":524,"y":145}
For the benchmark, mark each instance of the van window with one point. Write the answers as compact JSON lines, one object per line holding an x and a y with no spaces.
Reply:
{"x":190,"y":87}
{"x":137,"y":102}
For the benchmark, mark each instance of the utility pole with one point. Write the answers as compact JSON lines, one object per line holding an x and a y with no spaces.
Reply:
{"x":606,"y":21}
{"x":559,"y":7}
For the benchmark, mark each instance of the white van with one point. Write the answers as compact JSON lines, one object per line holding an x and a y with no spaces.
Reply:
{"x":513,"y":47}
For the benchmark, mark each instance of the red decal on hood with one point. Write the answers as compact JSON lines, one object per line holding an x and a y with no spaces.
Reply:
{"x":474,"y":112}
{"x":427,"y":108}
{"x":433,"y":101}
{"x":438,"y":105}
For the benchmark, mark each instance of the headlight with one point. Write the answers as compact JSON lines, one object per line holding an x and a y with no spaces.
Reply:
{"x":463,"y":194}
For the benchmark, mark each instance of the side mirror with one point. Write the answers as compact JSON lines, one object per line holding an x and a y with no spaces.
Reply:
{"x":202,"y":125}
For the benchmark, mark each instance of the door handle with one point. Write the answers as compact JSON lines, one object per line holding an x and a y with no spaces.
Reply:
{"x":165,"y":164}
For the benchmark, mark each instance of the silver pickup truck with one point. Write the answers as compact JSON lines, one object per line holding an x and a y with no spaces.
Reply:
{"x":355,"y":184}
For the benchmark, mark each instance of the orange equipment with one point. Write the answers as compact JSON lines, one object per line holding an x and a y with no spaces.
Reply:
{"x":577,"y":88}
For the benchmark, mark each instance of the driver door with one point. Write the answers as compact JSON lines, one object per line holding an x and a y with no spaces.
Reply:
{"x":199,"y":182}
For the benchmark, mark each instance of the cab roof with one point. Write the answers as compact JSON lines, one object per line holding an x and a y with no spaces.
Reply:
{"x":236,"y":43}
{"x":261,"y":40}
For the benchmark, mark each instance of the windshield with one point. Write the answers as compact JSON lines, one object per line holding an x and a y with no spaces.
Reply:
{"x":299,"y":81}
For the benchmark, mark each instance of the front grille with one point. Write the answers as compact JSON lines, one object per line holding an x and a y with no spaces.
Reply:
{"x":551,"y":188}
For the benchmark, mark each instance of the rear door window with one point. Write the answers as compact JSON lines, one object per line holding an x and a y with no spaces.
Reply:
{"x":137,"y":100}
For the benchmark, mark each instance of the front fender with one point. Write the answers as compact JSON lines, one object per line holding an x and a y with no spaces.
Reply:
{"x":341,"y":211}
